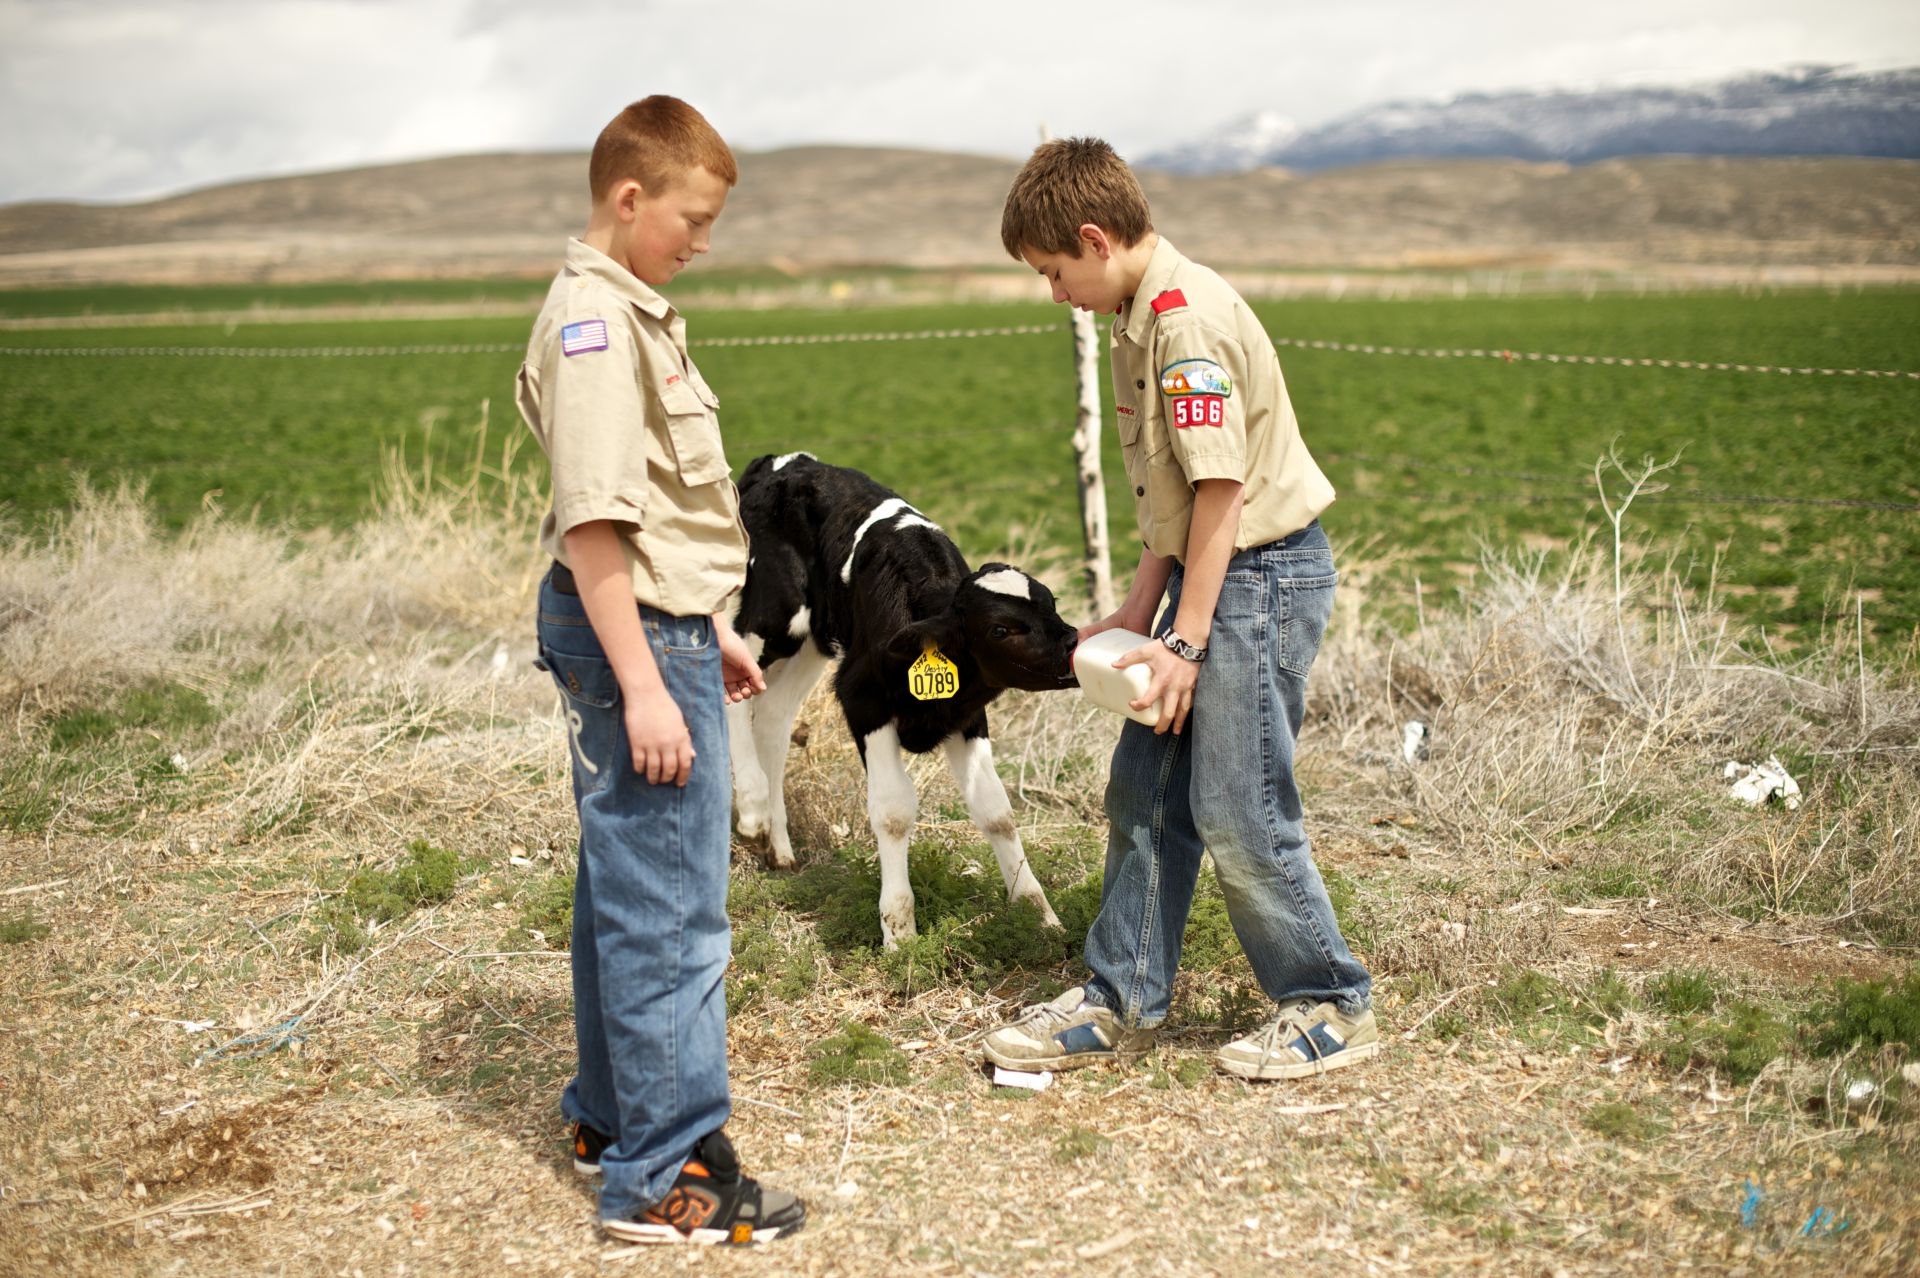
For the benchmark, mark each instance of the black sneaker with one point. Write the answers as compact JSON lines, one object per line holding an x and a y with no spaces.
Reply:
{"x":711,"y":1202}
{"x":588,"y":1145}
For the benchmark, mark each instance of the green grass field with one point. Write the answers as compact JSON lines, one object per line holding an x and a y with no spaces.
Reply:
{"x":1433,"y":458}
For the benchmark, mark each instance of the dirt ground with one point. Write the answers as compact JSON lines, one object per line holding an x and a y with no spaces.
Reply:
{"x":411,"y":1128}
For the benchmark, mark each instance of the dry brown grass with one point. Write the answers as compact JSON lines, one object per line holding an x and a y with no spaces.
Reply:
{"x":1561,"y":739}
{"x":411,"y":1124}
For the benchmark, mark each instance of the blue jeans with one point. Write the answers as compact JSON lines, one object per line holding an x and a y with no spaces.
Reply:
{"x":650,"y":934}
{"x":1226,"y":785}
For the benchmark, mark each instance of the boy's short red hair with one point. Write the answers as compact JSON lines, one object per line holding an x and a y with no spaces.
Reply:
{"x":655,"y":142}
{"x":1065,"y":184}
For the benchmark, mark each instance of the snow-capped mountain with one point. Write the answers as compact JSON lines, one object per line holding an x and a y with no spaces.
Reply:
{"x":1243,"y":144}
{"x":1803,"y":111}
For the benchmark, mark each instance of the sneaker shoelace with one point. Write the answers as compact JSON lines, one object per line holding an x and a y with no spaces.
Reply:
{"x":1045,"y":1016}
{"x":1292,"y":1023}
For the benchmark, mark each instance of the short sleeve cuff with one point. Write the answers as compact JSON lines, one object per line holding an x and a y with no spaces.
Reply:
{"x":585,"y":508}
{"x":1215,"y":466}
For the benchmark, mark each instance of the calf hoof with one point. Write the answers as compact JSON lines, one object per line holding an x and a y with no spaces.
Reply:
{"x":896,"y":928}
{"x":779,"y":855}
{"x":751,"y":823}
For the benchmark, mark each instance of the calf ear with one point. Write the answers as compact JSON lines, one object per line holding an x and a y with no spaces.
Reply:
{"x":942,"y":632}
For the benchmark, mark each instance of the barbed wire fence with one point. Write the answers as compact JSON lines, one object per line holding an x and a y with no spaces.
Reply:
{"x":1504,"y":355}
{"x":1036,"y":483}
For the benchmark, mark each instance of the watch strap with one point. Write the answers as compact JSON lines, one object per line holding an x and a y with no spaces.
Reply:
{"x":1182,"y":648}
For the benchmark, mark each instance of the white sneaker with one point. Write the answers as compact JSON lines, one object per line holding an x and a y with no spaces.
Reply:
{"x":1065,"y":1034}
{"x":1305,"y":1039}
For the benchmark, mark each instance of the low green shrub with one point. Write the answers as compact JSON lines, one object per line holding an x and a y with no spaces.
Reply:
{"x":857,"y":1055}
{"x":1867,"y":1014}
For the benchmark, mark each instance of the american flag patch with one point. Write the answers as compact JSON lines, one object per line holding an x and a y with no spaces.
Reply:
{"x":587,"y":335}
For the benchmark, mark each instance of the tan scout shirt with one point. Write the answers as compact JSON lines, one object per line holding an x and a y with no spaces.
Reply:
{"x":1198,"y":394}
{"x":629,"y":427}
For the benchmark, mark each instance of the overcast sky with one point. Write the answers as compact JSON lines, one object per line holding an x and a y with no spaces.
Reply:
{"x":125,"y":99}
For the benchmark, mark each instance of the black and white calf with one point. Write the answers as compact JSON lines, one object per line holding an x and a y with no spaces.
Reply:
{"x":843,"y":567}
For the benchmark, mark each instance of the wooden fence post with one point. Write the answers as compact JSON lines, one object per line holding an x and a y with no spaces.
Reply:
{"x":1086,"y":454}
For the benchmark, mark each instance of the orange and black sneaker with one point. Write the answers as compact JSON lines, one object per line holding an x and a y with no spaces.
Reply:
{"x":712,"y":1202}
{"x":588,"y":1145}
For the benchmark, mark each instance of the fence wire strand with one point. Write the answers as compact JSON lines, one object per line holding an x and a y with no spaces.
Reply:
{"x":937,"y":334}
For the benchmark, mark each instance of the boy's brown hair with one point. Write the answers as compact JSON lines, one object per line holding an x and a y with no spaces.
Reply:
{"x":654,"y":142}
{"x":1065,"y":184}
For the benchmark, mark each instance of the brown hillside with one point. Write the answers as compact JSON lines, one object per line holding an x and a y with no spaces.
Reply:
{"x":822,"y":206}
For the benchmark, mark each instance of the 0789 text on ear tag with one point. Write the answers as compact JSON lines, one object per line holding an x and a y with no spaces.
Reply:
{"x":933,"y":677}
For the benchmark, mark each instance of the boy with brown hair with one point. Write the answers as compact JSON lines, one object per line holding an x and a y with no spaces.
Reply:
{"x":648,"y":549}
{"x":1227,"y":499}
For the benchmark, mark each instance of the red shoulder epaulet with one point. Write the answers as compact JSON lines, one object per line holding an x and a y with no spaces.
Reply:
{"x":1168,"y":300}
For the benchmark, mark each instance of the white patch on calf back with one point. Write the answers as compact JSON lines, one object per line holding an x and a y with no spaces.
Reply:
{"x":1007,"y":581}
{"x":784,"y":458}
{"x":914,"y":521}
{"x":802,"y":624}
{"x":885,"y":510}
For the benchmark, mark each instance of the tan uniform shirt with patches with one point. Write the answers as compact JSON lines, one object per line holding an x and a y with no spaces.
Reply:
{"x":1199,"y":395}
{"x":631,"y":432}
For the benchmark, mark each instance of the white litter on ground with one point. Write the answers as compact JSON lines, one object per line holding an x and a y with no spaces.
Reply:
{"x":1755,"y":783}
{"x":1020,"y":1078}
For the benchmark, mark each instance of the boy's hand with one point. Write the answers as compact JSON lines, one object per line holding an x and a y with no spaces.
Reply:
{"x":738,"y":670}
{"x":1172,"y":683}
{"x":1119,"y":620}
{"x":657,"y":731}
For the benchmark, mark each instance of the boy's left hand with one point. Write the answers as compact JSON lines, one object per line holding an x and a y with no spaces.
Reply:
{"x":1171,"y":685}
{"x":738,"y":670}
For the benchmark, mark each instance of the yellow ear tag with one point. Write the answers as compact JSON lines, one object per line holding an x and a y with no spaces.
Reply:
{"x":933,"y":677}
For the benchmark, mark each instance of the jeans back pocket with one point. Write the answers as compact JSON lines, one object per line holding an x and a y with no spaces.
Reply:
{"x":1306,"y":605}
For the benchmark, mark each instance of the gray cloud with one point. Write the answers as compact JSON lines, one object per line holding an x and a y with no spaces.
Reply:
{"x":122,"y":99}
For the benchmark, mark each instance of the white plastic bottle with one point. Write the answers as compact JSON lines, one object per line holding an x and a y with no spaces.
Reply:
{"x":1112,"y":689}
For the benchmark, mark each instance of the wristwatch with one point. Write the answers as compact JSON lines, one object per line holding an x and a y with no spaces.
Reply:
{"x":1182,"y":648}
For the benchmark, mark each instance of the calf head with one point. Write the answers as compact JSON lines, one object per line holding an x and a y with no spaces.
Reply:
{"x":1007,"y":623}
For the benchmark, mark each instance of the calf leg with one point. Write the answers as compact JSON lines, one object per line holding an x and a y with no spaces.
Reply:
{"x":749,"y":782}
{"x":971,"y":762}
{"x":892,"y":808}
{"x":759,"y":787}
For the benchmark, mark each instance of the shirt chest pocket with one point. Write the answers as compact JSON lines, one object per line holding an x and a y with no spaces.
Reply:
{"x":694,"y":433}
{"x":1161,"y":493}
{"x":1138,"y":445}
